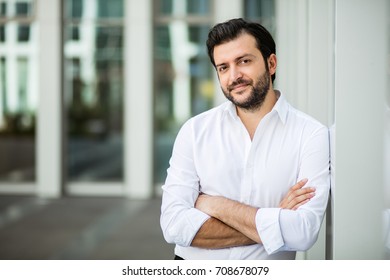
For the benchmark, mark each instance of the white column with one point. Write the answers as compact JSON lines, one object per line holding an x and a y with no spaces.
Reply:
{"x":49,"y":123}
{"x":138,"y":99}
{"x":320,"y":61}
{"x":292,"y":50}
{"x":319,"y":97}
{"x":360,"y":85}
{"x":304,"y":47}
{"x":225,"y":10}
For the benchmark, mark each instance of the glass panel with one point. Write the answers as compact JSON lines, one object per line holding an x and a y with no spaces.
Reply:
{"x":18,"y":92}
{"x":184,"y":7}
{"x":110,"y":9}
{"x":3,"y":13}
{"x":73,"y":9}
{"x":23,"y":33}
{"x":22,"y":9}
{"x":199,"y":7}
{"x":261,"y":11}
{"x":165,"y":7}
{"x":183,"y":84}
{"x":2,"y":33}
{"x":3,"y":9}
{"x":93,"y":81}
{"x":93,"y":9}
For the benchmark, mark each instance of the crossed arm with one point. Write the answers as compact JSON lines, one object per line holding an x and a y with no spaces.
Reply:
{"x":233,"y":223}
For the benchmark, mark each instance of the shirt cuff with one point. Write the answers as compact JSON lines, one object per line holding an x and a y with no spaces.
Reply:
{"x":268,"y":228}
{"x":186,"y":230}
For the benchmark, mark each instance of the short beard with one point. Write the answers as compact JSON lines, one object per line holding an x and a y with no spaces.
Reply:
{"x":257,"y":96}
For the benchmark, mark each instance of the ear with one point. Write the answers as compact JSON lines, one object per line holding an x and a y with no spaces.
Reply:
{"x":272,"y":63}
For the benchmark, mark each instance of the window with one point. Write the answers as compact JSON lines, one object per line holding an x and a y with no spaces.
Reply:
{"x":183,"y":75}
{"x":261,"y":11}
{"x":18,"y":90}
{"x":23,"y":10}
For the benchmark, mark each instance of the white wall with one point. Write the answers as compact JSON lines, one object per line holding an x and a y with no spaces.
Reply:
{"x":331,"y":65}
{"x":305,"y":38}
{"x":360,"y":86}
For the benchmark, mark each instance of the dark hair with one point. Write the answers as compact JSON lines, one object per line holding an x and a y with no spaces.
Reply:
{"x":231,"y":29}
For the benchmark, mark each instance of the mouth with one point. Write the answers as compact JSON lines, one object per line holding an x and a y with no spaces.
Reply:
{"x":239,"y":85}
{"x":239,"y":88}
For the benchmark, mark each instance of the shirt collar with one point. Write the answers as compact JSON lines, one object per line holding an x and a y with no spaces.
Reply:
{"x":231,"y":110}
{"x":281,"y":107}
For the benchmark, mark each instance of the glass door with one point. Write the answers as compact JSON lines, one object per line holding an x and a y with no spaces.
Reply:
{"x":93,"y":92}
{"x":183,"y":75}
{"x":18,"y":94}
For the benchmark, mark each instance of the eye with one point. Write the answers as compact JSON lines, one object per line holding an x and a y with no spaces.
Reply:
{"x":221,"y":68}
{"x":245,"y":61}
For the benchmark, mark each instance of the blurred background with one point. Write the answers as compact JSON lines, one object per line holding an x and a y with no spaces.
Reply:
{"x":93,"y":92}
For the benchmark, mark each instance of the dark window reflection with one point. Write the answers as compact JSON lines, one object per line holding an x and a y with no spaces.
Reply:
{"x":3,"y":9}
{"x":110,"y":9}
{"x":2,"y":33}
{"x":23,"y":33}
{"x":3,"y":13}
{"x":22,"y":10}
{"x":165,"y":7}
{"x":201,"y":7}
{"x":76,"y":8}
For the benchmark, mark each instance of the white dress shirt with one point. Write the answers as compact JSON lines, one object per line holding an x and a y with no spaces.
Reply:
{"x":213,"y":154}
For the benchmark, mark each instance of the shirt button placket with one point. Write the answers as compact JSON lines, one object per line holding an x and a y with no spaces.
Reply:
{"x":247,"y":182}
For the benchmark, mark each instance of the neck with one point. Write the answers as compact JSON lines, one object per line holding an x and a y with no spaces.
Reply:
{"x":252,"y":118}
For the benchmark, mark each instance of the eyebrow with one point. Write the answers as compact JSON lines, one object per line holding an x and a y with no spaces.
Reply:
{"x":237,"y":59}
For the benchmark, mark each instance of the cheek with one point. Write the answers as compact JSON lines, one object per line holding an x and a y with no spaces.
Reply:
{"x":223,"y":81}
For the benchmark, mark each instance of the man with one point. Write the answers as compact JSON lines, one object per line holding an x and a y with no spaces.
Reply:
{"x":227,"y":194}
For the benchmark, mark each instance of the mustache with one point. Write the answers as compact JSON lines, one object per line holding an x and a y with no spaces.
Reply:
{"x":237,"y":83}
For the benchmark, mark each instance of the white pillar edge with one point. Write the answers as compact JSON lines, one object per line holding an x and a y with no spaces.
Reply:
{"x":49,"y":123}
{"x":360,"y":85}
{"x":138,"y":99}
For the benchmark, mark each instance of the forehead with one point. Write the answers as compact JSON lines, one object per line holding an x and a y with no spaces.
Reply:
{"x":243,"y":45}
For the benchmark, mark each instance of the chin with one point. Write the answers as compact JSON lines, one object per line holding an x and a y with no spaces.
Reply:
{"x":241,"y":97}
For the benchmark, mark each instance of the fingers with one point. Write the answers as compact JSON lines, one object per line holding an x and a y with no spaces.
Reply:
{"x":300,"y":199}
{"x":296,"y":187}
{"x":299,"y":204}
{"x":299,"y":185}
{"x":297,"y":196}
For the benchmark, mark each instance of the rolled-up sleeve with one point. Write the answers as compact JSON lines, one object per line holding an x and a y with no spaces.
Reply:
{"x":179,"y":220}
{"x":288,"y":230}
{"x":267,"y":223}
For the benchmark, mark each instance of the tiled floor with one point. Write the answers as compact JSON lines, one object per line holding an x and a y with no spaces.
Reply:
{"x":81,"y":228}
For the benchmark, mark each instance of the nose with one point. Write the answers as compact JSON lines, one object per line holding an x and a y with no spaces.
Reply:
{"x":235,"y":74}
